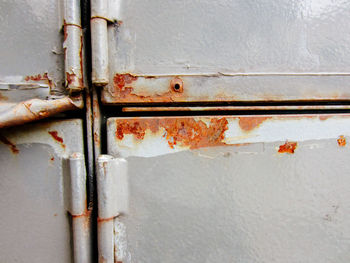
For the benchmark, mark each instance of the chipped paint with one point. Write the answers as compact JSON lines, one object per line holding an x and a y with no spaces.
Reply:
{"x":56,"y":137}
{"x":185,"y":132}
{"x":40,"y":77}
{"x":341,"y":141}
{"x":12,"y":146}
{"x":135,"y":136}
{"x":218,"y":87}
{"x":250,"y":123}
{"x":288,"y":147}
{"x":124,"y":90}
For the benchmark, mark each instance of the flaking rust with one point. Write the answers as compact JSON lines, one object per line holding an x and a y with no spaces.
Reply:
{"x":124,"y":92}
{"x":184,"y":132}
{"x":249,"y":123}
{"x":288,"y":147}
{"x":341,"y":141}
{"x":57,"y":138}
{"x":40,"y":77}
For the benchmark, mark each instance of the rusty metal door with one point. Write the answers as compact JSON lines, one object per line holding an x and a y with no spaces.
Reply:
{"x":166,"y":131}
{"x":232,"y":117}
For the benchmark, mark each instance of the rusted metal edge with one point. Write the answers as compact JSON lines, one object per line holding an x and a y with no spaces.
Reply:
{"x":129,"y":88}
{"x":36,"y":109}
{"x":153,"y":136}
{"x":236,"y":108}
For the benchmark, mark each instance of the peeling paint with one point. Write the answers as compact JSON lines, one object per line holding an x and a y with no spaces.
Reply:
{"x":57,"y":138}
{"x":341,"y":141}
{"x":288,"y":147}
{"x":186,"y":132}
{"x":12,"y":146}
{"x":250,"y":123}
{"x":124,"y":91}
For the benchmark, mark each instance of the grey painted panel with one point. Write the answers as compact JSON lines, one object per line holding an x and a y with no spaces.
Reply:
{"x":34,"y":189}
{"x":240,"y":204}
{"x":254,"y":50}
{"x":30,"y":39}
{"x":234,"y":188}
{"x":173,"y":37}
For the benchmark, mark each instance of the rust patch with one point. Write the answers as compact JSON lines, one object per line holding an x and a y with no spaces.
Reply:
{"x":52,"y":158}
{"x":81,"y":80}
{"x":123,"y":91}
{"x":324,"y":117}
{"x":176,"y":85}
{"x":57,"y":138}
{"x":96,"y":139}
{"x":250,"y":123}
{"x":12,"y":146}
{"x":341,"y":141}
{"x":101,"y":220}
{"x":70,"y":78}
{"x":121,"y":80}
{"x":65,"y":33}
{"x":186,"y":132}
{"x":2,"y":97}
{"x":288,"y":147}
{"x":39,"y":77}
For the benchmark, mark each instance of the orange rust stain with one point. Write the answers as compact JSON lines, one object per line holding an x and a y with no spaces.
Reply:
{"x":65,"y":33}
{"x":57,"y":138}
{"x":123,"y":91}
{"x":120,"y":80}
{"x":341,"y":141}
{"x":70,"y":78}
{"x":2,"y":97}
{"x":324,"y":117}
{"x":288,"y":147}
{"x":96,"y":139}
{"x":39,"y":77}
{"x":81,"y":80}
{"x":186,"y":132}
{"x":250,"y":123}
{"x":6,"y":141}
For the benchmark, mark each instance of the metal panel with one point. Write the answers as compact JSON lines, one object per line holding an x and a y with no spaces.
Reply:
{"x":35,"y":191}
{"x":229,"y":50}
{"x":234,"y":188}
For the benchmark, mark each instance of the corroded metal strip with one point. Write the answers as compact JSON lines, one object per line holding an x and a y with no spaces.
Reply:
{"x":236,"y":108}
{"x":131,"y":88}
{"x":36,"y":109}
{"x":78,"y":209}
{"x":73,"y":57}
{"x":138,"y":136}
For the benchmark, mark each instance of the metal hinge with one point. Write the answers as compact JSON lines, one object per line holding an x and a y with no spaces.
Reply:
{"x":73,"y":46}
{"x":112,"y":200}
{"x":102,"y":12}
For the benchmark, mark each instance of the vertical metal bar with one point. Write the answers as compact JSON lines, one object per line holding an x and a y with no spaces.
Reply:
{"x":78,"y":210}
{"x":73,"y":46}
{"x":99,"y":46}
{"x":112,"y":199}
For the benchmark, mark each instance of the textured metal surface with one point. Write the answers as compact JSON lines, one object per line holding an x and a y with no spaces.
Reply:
{"x":161,"y":135}
{"x":262,"y":189}
{"x":35,"y":191}
{"x":30,"y":40}
{"x":231,"y":50}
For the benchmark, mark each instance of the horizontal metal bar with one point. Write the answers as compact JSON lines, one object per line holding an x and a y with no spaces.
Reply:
{"x":36,"y":109}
